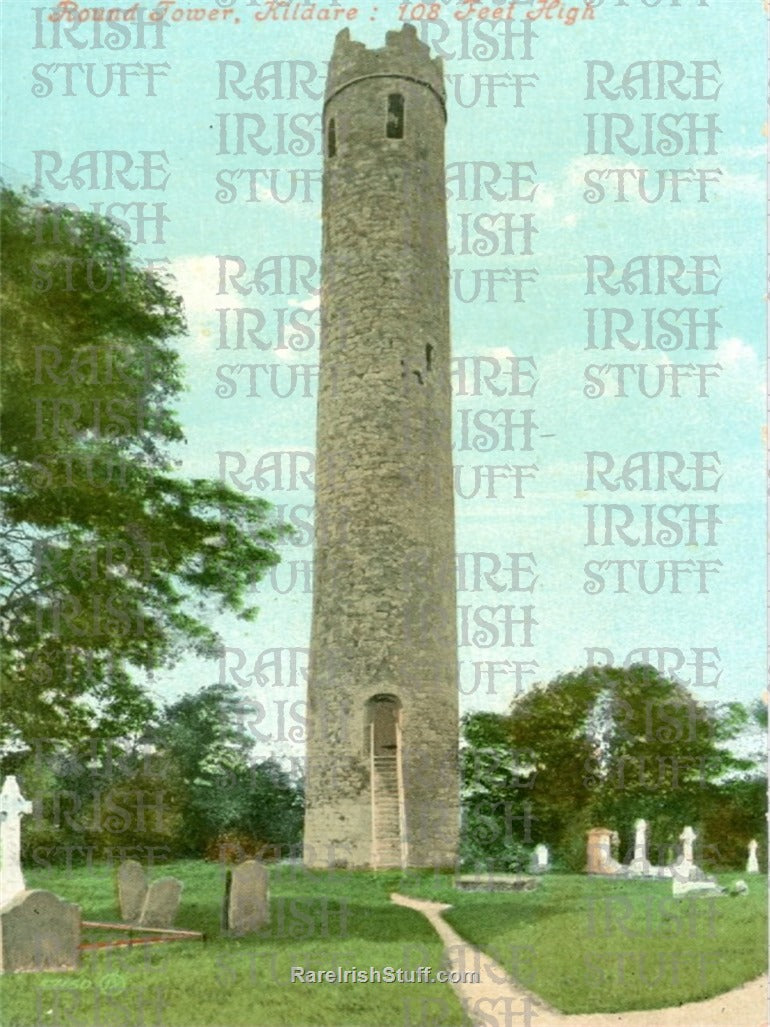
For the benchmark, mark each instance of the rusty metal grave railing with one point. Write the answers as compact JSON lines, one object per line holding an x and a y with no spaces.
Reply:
{"x":168,"y":934}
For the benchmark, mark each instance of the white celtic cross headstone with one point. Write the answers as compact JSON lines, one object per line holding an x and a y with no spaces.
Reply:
{"x":12,"y":806}
{"x":752,"y":866}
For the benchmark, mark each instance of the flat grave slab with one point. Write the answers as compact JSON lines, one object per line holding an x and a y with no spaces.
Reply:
{"x":496,"y":882}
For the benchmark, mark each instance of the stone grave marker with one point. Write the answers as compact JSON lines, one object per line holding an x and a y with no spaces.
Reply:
{"x":640,"y":866}
{"x":161,"y":903}
{"x":12,"y":806}
{"x":705,"y":886}
{"x":684,"y":869}
{"x":132,"y":890}
{"x":689,"y":879}
{"x":496,"y":882}
{"x":752,"y":865}
{"x":599,"y":859}
{"x":687,"y":838}
{"x":39,"y":931}
{"x":540,"y":860}
{"x":247,"y":905}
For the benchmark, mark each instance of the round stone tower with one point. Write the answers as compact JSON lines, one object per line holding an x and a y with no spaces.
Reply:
{"x":382,"y":758}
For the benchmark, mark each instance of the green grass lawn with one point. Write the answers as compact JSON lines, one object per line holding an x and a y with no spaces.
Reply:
{"x":584,"y":944}
{"x":580,"y":943}
{"x":318,"y":920}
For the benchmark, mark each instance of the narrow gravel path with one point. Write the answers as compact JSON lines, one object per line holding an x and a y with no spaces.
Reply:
{"x":496,"y":998}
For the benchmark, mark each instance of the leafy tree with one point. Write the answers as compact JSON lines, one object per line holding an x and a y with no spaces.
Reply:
{"x":201,"y":735}
{"x":222,"y":790}
{"x":495,"y":789}
{"x":736,"y":812}
{"x":118,"y":804}
{"x":189,"y":787}
{"x":109,"y":559}
{"x":603,"y":746}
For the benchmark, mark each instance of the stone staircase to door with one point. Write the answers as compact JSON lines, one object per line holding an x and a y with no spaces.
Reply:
{"x":386,"y":811}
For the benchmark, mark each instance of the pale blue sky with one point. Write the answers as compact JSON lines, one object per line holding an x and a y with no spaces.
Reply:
{"x":549,"y":130}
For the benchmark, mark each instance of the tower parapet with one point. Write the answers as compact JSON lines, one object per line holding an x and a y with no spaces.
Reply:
{"x":403,"y":56}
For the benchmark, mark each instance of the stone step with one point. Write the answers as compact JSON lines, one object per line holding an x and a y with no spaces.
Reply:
{"x":386,"y":850}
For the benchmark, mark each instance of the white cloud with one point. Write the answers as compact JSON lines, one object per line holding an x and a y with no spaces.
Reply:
{"x":197,"y":281}
{"x":735,"y":353}
{"x":498,"y":352}
{"x":744,"y":184}
{"x":308,"y":303}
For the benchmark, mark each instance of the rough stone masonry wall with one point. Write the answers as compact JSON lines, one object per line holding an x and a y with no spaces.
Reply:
{"x":384,"y":593}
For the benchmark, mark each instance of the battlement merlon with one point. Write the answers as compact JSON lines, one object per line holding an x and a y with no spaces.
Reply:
{"x":403,"y":56}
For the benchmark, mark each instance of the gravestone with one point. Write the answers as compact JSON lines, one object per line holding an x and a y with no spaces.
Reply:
{"x":12,"y":806}
{"x":689,"y":879}
{"x":540,"y":860}
{"x":247,"y":906}
{"x":599,"y":858}
{"x":752,"y":866}
{"x":39,"y":931}
{"x":161,"y":903}
{"x":687,"y":838}
{"x":684,"y":869}
{"x":640,"y":866}
{"x":132,"y":890}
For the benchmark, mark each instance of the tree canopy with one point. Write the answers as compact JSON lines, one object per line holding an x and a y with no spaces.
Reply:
{"x":604,"y":747}
{"x":191,"y":786}
{"x":110,"y":560}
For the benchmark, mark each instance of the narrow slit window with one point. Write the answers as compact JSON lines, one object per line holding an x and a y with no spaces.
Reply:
{"x":428,"y":356}
{"x":395,"y":124}
{"x":331,"y":138}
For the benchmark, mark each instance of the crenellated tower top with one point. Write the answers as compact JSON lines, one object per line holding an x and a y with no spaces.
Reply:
{"x":403,"y":56}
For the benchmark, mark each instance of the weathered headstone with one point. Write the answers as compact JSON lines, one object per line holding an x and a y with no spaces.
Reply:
{"x":599,"y":858}
{"x":540,"y":860}
{"x":684,"y":869}
{"x":752,"y":865}
{"x":132,"y":890}
{"x":12,"y":806}
{"x":640,"y":866}
{"x":247,"y":906}
{"x":39,"y":931}
{"x":687,"y":838}
{"x":597,"y":845}
{"x":689,"y":879}
{"x":161,"y":903}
